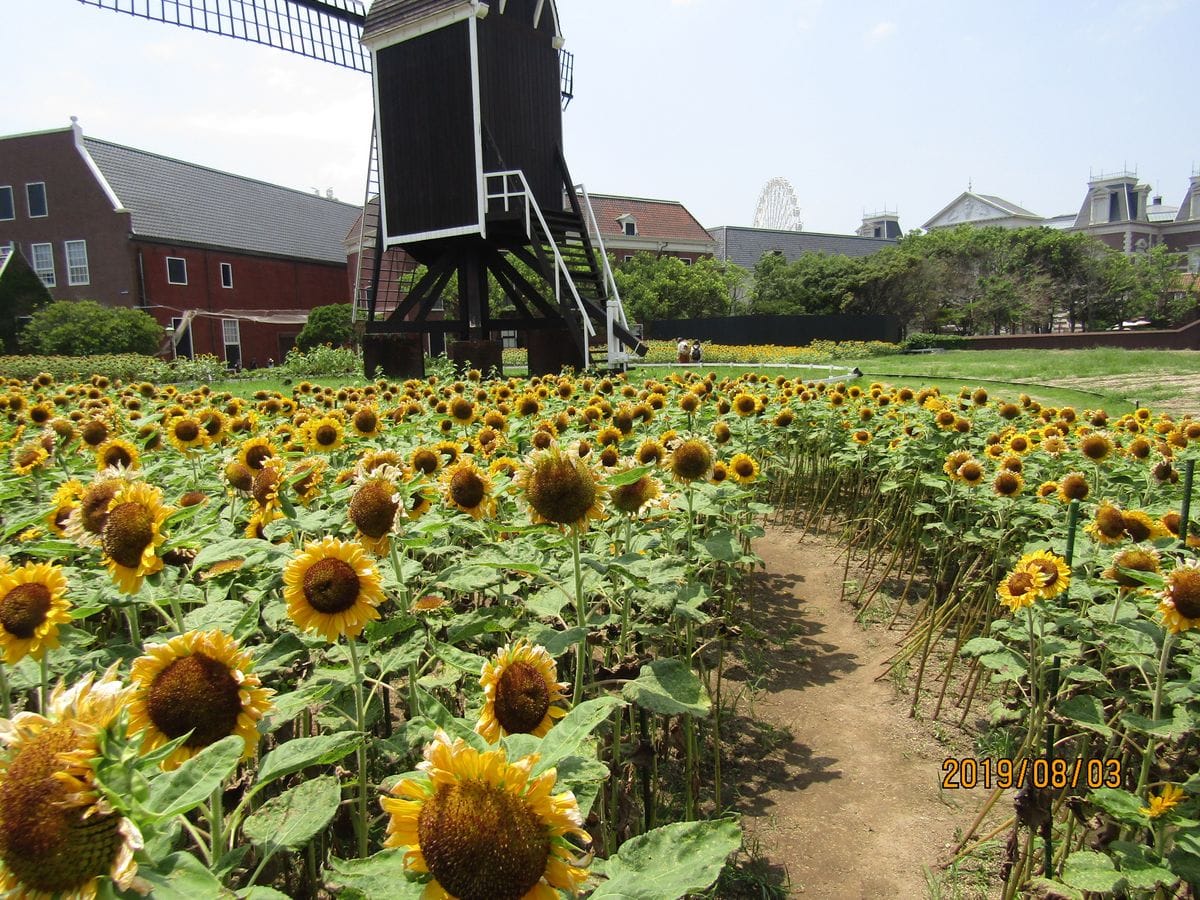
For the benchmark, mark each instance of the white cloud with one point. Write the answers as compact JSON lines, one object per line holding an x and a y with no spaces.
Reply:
{"x":881,"y":32}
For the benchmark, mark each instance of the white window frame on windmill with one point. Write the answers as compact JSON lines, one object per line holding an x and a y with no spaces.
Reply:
{"x":41,"y":257}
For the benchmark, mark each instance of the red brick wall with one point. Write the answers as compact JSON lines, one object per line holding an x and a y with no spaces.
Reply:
{"x":1185,"y":338}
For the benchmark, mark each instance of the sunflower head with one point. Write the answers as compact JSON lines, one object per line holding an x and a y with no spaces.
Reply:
{"x":970,"y":472}
{"x":1140,"y":526}
{"x":743,"y":468}
{"x":691,"y":460}
{"x":1180,"y":600}
{"x":255,"y":452}
{"x":468,"y":804}
{"x":332,"y":587}
{"x":1108,"y":526}
{"x":1073,"y":486}
{"x":467,"y":489}
{"x":1137,"y":559}
{"x":132,"y":534}
{"x":521,"y":690}
{"x":1053,"y":569}
{"x":1095,"y":447}
{"x":1020,"y":588}
{"x":373,"y":510}
{"x":32,"y":605}
{"x":1007,"y":483}
{"x":637,"y":496}
{"x":560,"y":489}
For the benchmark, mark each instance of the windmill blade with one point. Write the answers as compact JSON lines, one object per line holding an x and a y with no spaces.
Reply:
{"x":328,"y":30}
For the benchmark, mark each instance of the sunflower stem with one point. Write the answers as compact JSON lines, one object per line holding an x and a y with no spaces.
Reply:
{"x":5,"y":709}
{"x":1185,"y":512}
{"x":135,"y":631}
{"x":360,"y":820}
{"x":44,"y":682}
{"x":216,"y":822}
{"x":581,"y":650}
{"x":1156,"y":711}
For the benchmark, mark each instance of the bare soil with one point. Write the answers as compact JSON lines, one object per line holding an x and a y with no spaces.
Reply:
{"x":1184,"y":398}
{"x":835,"y":782}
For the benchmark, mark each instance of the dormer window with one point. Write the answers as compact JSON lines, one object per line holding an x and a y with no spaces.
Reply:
{"x":628,"y":225}
{"x":1099,"y":209}
{"x":1196,"y":204}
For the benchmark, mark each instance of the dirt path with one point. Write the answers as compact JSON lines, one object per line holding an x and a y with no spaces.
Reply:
{"x":850,"y":802}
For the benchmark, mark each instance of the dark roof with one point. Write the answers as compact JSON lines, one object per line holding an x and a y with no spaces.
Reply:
{"x":176,"y":201}
{"x":746,"y":246}
{"x":387,"y":15}
{"x":667,"y":220}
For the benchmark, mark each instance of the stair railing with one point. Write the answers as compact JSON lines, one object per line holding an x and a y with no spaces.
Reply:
{"x":512,"y":188}
{"x":616,"y":309}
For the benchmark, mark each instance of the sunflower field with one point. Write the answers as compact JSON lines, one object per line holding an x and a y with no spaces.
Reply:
{"x":468,"y":638}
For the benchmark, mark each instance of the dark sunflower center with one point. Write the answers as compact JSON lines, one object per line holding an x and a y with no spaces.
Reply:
{"x":1184,"y":590}
{"x":187,"y":430}
{"x":117,"y":456}
{"x":331,"y":585}
{"x":24,"y":608}
{"x":522,"y":698}
{"x":744,"y":468}
{"x":462,"y":409}
{"x":1074,"y":487}
{"x":629,"y":497}
{"x":45,"y":847}
{"x":1137,"y":528}
{"x":481,"y":842}
{"x":372,"y":509}
{"x":95,"y":433}
{"x":326,"y":435}
{"x":1048,"y":569}
{"x":691,"y":461}
{"x":365,"y":420}
{"x":559,"y":492}
{"x":425,"y":461}
{"x":467,"y":489}
{"x":212,"y":426}
{"x":257,"y":455}
{"x":198,"y":694}
{"x":127,"y":533}
{"x":1110,"y":522}
{"x":1006,"y":483}
{"x":1020,"y":583}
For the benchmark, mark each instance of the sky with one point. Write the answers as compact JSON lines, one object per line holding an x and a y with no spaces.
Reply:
{"x":862,"y":106}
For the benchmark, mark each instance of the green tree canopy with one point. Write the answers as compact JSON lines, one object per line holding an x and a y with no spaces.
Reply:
{"x":664,"y":287}
{"x":326,"y":325}
{"x":85,"y":327}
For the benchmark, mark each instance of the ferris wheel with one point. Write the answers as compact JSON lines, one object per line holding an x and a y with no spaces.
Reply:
{"x":778,"y":207}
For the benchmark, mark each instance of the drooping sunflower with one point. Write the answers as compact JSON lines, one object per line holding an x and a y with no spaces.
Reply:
{"x":1056,"y":574}
{"x":1140,"y":526}
{"x":57,"y":837}
{"x":65,"y":501}
{"x":520,"y":690}
{"x":1180,"y":599}
{"x":33,"y":603}
{"x":467,"y":489}
{"x":373,"y":510}
{"x":560,"y":489}
{"x":453,"y":822}
{"x":29,"y":458}
{"x":132,"y":534}
{"x":743,"y":468}
{"x":199,"y":682}
{"x":1020,"y":588}
{"x":306,"y":477}
{"x":637,"y":496}
{"x":332,"y":587}
{"x":1108,"y":526}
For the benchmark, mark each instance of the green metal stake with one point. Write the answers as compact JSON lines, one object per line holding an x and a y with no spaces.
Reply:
{"x":1072,"y":527}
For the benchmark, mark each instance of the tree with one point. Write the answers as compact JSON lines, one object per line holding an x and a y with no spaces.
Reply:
{"x":655,"y":288}
{"x":326,"y":325}
{"x":21,"y":293}
{"x":85,"y":328}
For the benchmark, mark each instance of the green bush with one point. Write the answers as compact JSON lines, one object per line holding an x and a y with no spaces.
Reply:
{"x":87,"y":328}
{"x":323,"y":360}
{"x":128,"y":367}
{"x":326,"y":325}
{"x":920,"y":340}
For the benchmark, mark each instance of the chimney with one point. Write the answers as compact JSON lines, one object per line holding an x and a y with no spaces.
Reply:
{"x":329,"y":194}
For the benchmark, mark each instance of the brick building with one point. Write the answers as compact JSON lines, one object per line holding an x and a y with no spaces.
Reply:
{"x":631,"y":225}
{"x":232,"y":263}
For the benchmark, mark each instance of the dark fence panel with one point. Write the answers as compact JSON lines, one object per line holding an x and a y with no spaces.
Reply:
{"x":784,"y":331}
{"x":1185,"y":338}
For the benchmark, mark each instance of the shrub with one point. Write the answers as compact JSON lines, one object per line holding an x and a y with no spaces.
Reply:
{"x":87,"y":328}
{"x":326,"y":325}
{"x":323,"y":360}
{"x":920,"y":340}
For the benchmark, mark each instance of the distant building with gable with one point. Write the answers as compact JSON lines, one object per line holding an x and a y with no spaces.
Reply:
{"x":632,"y":225}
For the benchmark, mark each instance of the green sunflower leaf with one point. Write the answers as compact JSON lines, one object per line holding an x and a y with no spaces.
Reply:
{"x":292,"y":818}
{"x":669,"y":862}
{"x":193,"y":782}
{"x":1088,"y":870}
{"x":304,"y":752}
{"x":378,"y":877}
{"x":570,"y":733}
{"x":181,"y":876}
{"x":670,"y":688}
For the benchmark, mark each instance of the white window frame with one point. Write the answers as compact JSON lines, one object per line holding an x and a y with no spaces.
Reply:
{"x":45,"y":200}
{"x":227,"y":276}
{"x":686,"y":260}
{"x":627,"y":258}
{"x":226,"y":332}
{"x":180,"y":259}
{"x":43,"y":268}
{"x":12,"y":203}
{"x":77,"y":273}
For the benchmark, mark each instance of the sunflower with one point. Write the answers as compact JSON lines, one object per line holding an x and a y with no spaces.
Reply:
{"x":323,"y":435}
{"x":483,"y":827}
{"x":608,"y":435}
{"x":57,"y":837}
{"x":260,"y":518}
{"x":32,"y":605}
{"x":65,"y":501}
{"x":743,"y":468}
{"x":214,"y":423}
{"x":132,"y":535}
{"x":1073,"y":486}
{"x":117,"y":453}
{"x":1141,"y":526}
{"x":306,"y":477}
{"x":1008,"y":483}
{"x":462,"y":411}
{"x":1056,"y":574}
{"x":187,"y":434}
{"x":650,"y":453}
{"x":425,"y":460}
{"x":238,"y":476}
{"x":449,"y":451}
{"x":970,"y":472}
{"x":1108,"y":526}
{"x":365,"y":421}
{"x":1020,"y":588}
{"x":373,"y":510}
{"x":332,"y":587}
{"x":467,"y":489}
{"x":954,"y":461}
{"x":420,"y":494}
{"x":1095,"y":447}
{"x":198,"y":683}
{"x":1137,"y":559}
{"x":520,"y":690}
{"x":691,"y":460}
{"x":1161,"y":804}
{"x":745,"y":404}
{"x":256,"y":451}
{"x":1180,"y":599}
{"x":637,"y":496}
{"x":560,"y":489}
{"x":28,"y":458}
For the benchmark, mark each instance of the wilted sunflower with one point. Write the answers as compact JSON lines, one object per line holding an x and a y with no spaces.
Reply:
{"x":57,"y":837}
{"x":1140,"y":526}
{"x":483,"y":827}
{"x":560,"y":489}
{"x":132,"y":534}
{"x":199,"y":682}
{"x":637,"y":496}
{"x":691,"y":460}
{"x":1055,"y":573}
{"x":743,"y":468}
{"x":32,"y":605}
{"x":1020,"y":588}
{"x":117,"y":453}
{"x":28,"y":458}
{"x":1180,"y":599}
{"x":467,"y":489}
{"x":332,"y":587}
{"x":520,"y":690}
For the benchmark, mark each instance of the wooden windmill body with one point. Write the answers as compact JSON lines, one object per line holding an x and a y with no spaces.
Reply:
{"x":468,"y":178}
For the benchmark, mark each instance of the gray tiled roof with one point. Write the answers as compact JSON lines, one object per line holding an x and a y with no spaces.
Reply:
{"x":1008,"y":205}
{"x":184,"y":203}
{"x":745,"y":246}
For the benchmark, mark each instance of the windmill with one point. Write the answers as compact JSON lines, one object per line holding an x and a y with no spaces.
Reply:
{"x":467,"y":179}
